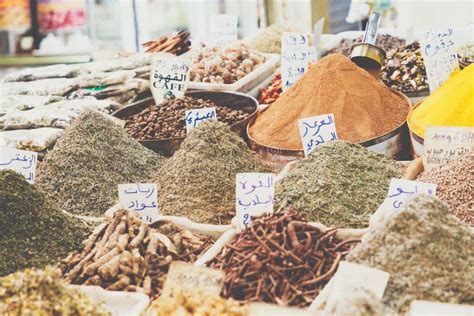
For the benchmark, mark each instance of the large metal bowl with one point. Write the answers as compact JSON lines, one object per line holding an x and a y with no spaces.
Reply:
{"x":168,"y":146}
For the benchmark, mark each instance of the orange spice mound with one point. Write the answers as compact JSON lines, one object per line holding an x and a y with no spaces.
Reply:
{"x":363,"y":108}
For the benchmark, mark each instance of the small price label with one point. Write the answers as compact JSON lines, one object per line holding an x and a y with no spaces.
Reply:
{"x":425,"y":308}
{"x":21,"y":161}
{"x":445,"y":143}
{"x":294,"y":58}
{"x":169,"y":76}
{"x":140,"y":198}
{"x":316,"y":130}
{"x":197,"y":116}
{"x":187,"y":276}
{"x":438,"y":49}
{"x":222,"y":29}
{"x":254,"y":195}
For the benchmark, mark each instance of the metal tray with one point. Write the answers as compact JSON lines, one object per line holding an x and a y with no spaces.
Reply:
{"x":168,"y":146}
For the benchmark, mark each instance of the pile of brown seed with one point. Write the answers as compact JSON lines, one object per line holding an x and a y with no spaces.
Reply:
{"x":167,"y":119}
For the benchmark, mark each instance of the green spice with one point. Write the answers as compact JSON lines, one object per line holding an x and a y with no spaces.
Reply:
{"x":338,"y":184}
{"x":33,"y":232}
{"x":199,"y":180}
{"x":427,"y":251}
{"x":42,"y":292}
{"x":92,"y":156}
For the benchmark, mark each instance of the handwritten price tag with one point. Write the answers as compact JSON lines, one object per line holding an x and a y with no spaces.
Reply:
{"x":21,"y":161}
{"x":424,"y":308}
{"x":438,"y":49}
{"x":169,"y":76}
{"x":316,"y":130}
{"x":140,"y":198}
{"x":197,"y":116}
{"x":222,"y":29}
{"x":294,"y":58}
{"x":184,"y":276}
{"x":254,"y":195}
{"x":445,"y":143}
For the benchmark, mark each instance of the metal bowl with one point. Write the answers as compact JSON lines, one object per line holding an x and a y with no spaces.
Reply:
{"x":168,"y":146}
{"x":395,"y":143}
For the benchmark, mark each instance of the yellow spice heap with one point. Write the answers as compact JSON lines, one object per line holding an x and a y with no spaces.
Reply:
{"x":452,"y":104}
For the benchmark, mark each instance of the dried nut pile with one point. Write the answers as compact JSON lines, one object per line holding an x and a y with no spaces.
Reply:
{"x":42,"y":292}
{"x":125,"y":254}
{"x":280,"y":259}
{"x":271,"y":93}
{"x":177,"y":44}
{"x":404,"y":70}
{"x":224,"y":65}
{"x":167,"y":119}
{"x":195,"y":302}
{"x":385,"y":41}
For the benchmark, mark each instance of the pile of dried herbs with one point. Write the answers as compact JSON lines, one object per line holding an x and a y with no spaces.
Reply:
{"x":427,"y":251}
{"x":199,"y":180}
{"x":42,"y":292}
{"x":92,"y":156}
{"x":33,"y":233}
{"x":338,"y":184}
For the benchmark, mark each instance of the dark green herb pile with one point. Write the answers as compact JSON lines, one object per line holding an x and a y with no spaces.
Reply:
{"x":199,"y":180}
{"x":33,"y":233}
{"x":92,"y":156}
{"x":338,"y":184}
{"x":428,"y":252}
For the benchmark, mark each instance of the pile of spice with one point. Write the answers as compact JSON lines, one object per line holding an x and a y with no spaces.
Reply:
{"x":87,"y":163}
{"x":280,"y":259}
{"x":224,"y":65}
{"x":199,"y":180}
{"x":427,"y":251}
{"x":455,"y":186}
{"x":466,"y":54}
{"x":363,"y":108}
{"x":34,"y":233}
{"x":177,"y":44}
{"x":195,"y":302}
{"x":404,"y":69}
{"x":124,"y":254}
{"x":271,"y":93}
{"x":42,"y":292}
{"x":269,"y":39}
{"x":385,"y":41}
{"x":167,"y":119}
{"x":338,"y":184}
{"x":458,"y":93}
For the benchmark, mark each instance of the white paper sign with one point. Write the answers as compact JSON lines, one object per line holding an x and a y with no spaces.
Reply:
{"x":222,"y":29}
{"x":294,"y":58}
{"x":140,"y":198}
{"x":316,"y":130}
{"x":445,"y":143}
{"x":197,"y":116}
{"x":426,"y":308}
{"x":21,"y":161}
{"x":317,"y":32}
{"x":351,"y":275}
{"x":438,"y":49}
{"x":254,"y":195}
{"x":169,"y":76}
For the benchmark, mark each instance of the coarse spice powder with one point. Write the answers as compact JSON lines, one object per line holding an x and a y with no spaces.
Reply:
{"x":427,"y":251}
{"x":338,"y":184}
{"x":199,"y":180}
{"x":89,"y":160}
{"x":363,"y":108}
{"x":34,"y":233}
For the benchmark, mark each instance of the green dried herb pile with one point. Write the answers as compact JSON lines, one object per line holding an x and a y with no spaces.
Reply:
{"x":338,"y":184}
{"x":33,"y":233}
{"x":427,"y":251}
{"x":42,"y":292}
{"x":92,"y":156}
{"x":199,"y":180}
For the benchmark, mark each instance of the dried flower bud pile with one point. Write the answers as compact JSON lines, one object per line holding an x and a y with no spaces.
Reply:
{"x":280,"y":259}
{"x":195,"y":302}
{"x":224,"y":65}
{"x":167,"y":119}
{"x":177,"y":44}
{"x":125,"y":254}
{"x":385,"y":41}
{"x":42,"y":292}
